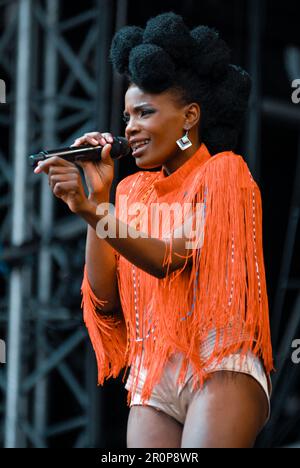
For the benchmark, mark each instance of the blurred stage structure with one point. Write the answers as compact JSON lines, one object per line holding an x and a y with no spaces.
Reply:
{"x":43,"y":258}
{"x":59,"y":86}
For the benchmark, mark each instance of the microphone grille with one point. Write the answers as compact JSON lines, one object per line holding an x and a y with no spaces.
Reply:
{"x":120,"y":147}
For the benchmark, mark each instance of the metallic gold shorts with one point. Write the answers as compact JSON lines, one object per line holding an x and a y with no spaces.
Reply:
{"x":174,"y":399}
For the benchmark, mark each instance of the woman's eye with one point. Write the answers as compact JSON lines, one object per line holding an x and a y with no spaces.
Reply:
{"x":146,"y":112}
{"x":142,"y":113}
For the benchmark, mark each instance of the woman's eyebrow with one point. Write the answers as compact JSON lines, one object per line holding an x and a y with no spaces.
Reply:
{"x":137,"y":107}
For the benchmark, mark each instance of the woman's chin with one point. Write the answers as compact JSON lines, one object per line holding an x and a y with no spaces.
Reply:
{"x":146,"y":164}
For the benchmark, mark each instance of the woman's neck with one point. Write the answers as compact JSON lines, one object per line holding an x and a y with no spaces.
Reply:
{"x":173,"y":164}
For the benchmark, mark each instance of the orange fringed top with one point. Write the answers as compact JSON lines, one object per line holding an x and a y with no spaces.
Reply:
{"x":224,"y":289}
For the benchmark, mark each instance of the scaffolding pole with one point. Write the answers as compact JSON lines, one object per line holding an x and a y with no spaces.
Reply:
{"x":16,"y":294}
{"x":43,"y":243}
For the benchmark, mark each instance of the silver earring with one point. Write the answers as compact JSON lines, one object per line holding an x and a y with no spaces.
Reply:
{"x":184,"y":142}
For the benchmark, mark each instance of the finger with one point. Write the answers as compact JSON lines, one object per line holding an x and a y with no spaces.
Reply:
{"x":84,"y":141}
{"x":108,"y":137}
{"x":101,"y":138}
{"x":64,"y":176}
{"x":40,"y":168}
{"x":54,"y":179}
{"x":77,"y":142}
{"x":90,"y":138}
{"x":80,"y":141}
{"x":105,"y":153}
{"x":63,"y":170}
{"x":95,"y":141}
{"x":44,"y":166}
{"x":63,"y":188}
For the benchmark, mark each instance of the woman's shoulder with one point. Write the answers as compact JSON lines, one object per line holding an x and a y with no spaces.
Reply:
{"x":232,"y":167}
{"x":226,"y":158}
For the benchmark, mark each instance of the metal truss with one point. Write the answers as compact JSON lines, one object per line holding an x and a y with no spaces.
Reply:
{"x":59,"y":86}
{"x":286,"y":380}
{"x":285,"y":325}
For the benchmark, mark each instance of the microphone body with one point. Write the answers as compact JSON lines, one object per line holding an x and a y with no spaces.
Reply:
{"x":120,"y":147}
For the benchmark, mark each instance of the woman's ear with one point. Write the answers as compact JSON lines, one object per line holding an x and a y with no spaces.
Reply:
{"x":192,"y":114}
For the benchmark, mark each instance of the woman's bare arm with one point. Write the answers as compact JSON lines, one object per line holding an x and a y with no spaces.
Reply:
{"x":146,"y":253}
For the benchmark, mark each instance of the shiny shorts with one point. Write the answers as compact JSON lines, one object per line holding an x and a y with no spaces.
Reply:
{"x":174,"y":399}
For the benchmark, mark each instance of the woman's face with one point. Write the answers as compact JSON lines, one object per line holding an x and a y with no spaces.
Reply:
{"x":153,"y":124}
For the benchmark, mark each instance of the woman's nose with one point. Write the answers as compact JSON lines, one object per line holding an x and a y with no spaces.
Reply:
{"x":131,"y":127}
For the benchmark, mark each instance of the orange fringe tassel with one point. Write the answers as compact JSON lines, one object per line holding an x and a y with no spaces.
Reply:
{"x":224,"y":288}
{"x":107,"y":334}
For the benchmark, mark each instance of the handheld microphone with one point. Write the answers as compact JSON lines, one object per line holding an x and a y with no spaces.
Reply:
{"x":120,"y":147}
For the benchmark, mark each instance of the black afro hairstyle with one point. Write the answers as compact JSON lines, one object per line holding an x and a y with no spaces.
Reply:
{"x":194,"y":64}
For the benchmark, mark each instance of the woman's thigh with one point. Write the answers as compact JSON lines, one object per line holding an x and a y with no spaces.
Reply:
{"x":148,"y":427}
{"x":229,"y":411}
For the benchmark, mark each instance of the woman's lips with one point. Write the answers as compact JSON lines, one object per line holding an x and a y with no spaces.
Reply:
{"x":139,"y":151}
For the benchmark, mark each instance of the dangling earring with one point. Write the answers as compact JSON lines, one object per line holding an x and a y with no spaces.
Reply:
{"x":184,"y":142}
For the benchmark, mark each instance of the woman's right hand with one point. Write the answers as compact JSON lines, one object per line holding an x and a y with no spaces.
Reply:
{"x":98,"y":175}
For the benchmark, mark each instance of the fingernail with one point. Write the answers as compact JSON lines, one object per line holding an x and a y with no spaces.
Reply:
{"x":37,"y":170}
{"x":110,"y":139}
